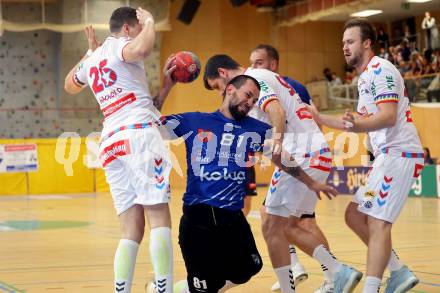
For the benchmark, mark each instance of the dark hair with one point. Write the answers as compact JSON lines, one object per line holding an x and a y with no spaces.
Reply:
{"x":216,"y":62}
{"x":367,"y":29}
{"x":121,"y":16}
{"x":240,"y":80}
{"x":270,"y":50}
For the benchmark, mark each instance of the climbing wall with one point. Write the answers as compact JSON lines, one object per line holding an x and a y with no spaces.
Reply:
{"x":33,"y":65}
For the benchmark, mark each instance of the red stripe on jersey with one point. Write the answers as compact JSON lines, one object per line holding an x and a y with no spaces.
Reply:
{"x":303,"y":113}
{"x":322,"y":168}
{"x":386,"y":101}
{"x":267,"y":103}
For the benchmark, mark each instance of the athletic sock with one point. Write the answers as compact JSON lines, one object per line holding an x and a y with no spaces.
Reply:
{"x":285,"y":278}
{"x":293,"y":256}
{"x":327,"y":275}
{"x":394,"y":264}
{"x":161,"y":252}
{"x":125,"y":260}
{"x":372,"y":285}
{"x":327,"y":259}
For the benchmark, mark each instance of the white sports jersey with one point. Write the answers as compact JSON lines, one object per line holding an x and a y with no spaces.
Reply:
{"x":380,"y":83}
{"x":302,"y":134}
{"x":120,"y":87}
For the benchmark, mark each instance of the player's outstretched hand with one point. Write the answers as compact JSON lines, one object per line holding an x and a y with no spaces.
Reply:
{"x":348,"y":120}
{"x":329,"y":191}
{"x":91,"y":37}
{"x":168,"y":69}
{"x":143,"y":15}
{"x":313,"y":111}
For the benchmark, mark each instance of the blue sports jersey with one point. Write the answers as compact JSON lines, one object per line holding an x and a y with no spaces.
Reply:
{"x":300,"y":89}
{"x":217,"y":149}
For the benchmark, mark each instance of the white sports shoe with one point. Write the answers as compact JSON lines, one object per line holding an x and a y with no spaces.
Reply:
{"x":299,"y":273}
{"x":326,"y":287}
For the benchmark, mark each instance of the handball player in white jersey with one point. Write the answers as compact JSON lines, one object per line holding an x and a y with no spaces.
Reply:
{"x":287,"y":199}
{"x":384,"y":113}
{"x":132,"y":152}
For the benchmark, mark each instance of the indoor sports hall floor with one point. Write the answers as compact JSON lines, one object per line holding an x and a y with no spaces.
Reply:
{"x":66,"y":243}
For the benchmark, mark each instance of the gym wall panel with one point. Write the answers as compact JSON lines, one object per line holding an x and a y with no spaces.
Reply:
{"x":314,"y":36}
{"x":427,"y":122}
{"x":314,"y":64}
{"x":296,"y":38}
{"x":296,"y":65}
{"x":324,"y":38}
{"x":13,"y":183}
{"x":100,"y":181}
{"x":52,"y":177}
{"x":332,"y":36}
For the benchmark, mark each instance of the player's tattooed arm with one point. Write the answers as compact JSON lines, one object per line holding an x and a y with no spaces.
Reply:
{"x":294,"y":171}
{"x":291,"y":167}
{"x":288,"y":164}
{"x":167,"y":83}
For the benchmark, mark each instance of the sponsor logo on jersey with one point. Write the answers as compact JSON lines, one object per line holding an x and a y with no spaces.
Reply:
{"x":368,"y":204}
{"x":373,"y":89}
{"x":390,"y":82}
{"x":112,"y":108}
{"x":238,"y":176}
{"x":263,"y":86}
{"x":369,"y":193}
{"x":115,"y":150}
{"x":376,"y":68}
{"x":364,"y":91}
{"x":113,"y":94}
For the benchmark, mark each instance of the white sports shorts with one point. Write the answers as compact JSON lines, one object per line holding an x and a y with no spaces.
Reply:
{"x":387,"y":186}
{"x":137,"y":167}
{"x":287,"y":196}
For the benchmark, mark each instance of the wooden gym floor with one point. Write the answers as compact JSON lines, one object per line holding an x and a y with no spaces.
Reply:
{"x":66,"y":243}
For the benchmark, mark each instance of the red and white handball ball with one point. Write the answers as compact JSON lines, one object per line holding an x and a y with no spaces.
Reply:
{"x":187,"y":67}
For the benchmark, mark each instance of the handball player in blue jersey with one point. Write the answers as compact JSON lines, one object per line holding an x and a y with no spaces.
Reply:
{"x":216,"y":241}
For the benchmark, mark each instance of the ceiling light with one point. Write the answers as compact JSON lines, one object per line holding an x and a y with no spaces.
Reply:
{"x":418,"y":1}
{"x":366,"y":13}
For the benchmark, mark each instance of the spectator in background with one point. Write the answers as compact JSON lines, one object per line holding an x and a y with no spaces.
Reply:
{"x":405,"y":51}
{"x":403,"y":67}
{"x":384,"y":54}
{"x":267,"y":57}
{"x":331,"y":77}
{"x":394,"y":55}
{"x":335,"y":79}
{"x":328,"y":74}
{"x":430,"y":27}
{"x":350,"y":76}
{"x":413,"y":72}
{"x":434,"y":89}
{"x":383,"y":39}
{"x":428,"y":159}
